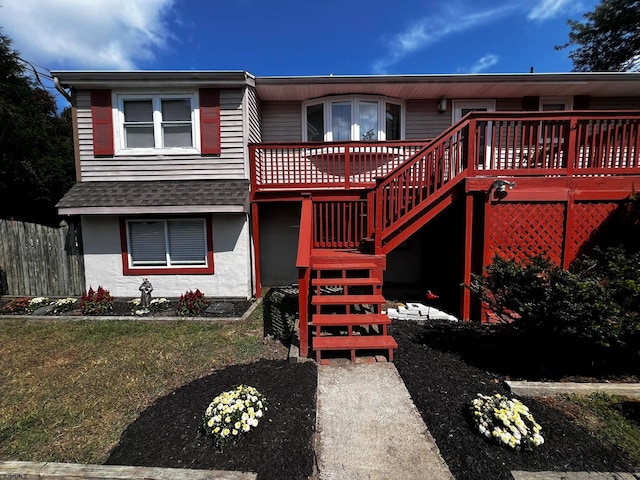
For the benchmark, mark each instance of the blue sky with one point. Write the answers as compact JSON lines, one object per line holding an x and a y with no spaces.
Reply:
{"x":286,"y":37}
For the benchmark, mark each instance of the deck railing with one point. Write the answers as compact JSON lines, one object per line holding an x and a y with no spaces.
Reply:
{"x":584,"y":143}
{"x":558,"y":143}
{"x":404,"y":177}
{"x":339,"y":224}
{"x":325,"y":165}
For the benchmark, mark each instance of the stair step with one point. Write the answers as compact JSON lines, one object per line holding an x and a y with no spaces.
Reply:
{"x":324,"y":320}
{"x":351,"y":265}
{"x":362,"y":342}
{"x":350,"y":282}
{"x":348,"y":300}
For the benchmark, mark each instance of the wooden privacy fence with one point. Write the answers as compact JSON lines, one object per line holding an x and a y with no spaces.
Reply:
{"x":36,"y":260}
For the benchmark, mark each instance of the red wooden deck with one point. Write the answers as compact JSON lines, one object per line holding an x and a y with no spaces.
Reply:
{"x":387,"y":191}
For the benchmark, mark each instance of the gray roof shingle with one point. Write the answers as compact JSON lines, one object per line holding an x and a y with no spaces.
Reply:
{"x":173,"y":196}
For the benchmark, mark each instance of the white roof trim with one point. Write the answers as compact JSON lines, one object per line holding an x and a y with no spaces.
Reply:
{"x":151,"y":210}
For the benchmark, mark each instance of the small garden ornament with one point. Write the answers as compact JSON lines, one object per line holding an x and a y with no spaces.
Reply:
{"x":145,"y":295}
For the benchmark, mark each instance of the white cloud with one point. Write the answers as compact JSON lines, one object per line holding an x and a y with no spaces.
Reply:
{"x":546,"y":9}
{"x":81,"y":34}
{"x":484,"y":63}
{"x":434,"y":28}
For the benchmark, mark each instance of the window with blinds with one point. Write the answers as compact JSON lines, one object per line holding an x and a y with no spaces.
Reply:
{"x":167,"y":243}
{"x":154,"y":123}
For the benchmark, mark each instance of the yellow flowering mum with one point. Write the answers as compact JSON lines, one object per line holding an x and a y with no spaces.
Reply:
{"x":232,"y":414}
{"x":506,"y":421}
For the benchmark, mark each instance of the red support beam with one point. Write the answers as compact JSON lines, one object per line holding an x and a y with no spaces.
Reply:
{"x":468,"y":249}
{"x":569,"y":228}
{"x":303,"y":263}
{"x":255,"y":227}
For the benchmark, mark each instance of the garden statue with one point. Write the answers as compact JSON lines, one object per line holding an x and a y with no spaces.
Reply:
{"x":145,"y":296}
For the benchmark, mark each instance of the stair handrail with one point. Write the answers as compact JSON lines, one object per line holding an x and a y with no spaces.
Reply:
{"x":566,"y":148}
{"x":453,"y":133}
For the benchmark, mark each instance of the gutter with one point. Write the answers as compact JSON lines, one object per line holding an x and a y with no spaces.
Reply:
{"x":63,"y":92}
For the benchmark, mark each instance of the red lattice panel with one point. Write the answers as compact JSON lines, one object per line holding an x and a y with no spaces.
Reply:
{"x":522,"y":230}
{"x":587,"y":218}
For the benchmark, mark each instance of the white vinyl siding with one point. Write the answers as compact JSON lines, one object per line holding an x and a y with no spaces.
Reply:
{"x":253,"y":108}
{"x":423,"y":119}
{"x":229,"y":165}
{"x":281,"y":122}
{"x":167,"y":243}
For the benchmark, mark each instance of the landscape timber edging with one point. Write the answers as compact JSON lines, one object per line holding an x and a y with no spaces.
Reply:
{"x":544,"y":389}
{"x":59,"y":471}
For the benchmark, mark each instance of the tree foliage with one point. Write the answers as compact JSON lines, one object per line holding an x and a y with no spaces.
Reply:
{"x":609,"y":38}
{"x":36,"y":144}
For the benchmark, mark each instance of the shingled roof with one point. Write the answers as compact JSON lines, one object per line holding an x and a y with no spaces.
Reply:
{"x":171,"y":196}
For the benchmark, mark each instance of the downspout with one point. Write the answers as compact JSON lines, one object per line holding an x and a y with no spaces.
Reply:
{"x":63,"y":92}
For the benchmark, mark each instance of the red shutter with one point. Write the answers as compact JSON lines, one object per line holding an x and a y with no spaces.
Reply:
{"x":581,"y":102}
{"x":210,"y":121}
{"x":102,"y":119}
{"x":530,"y":103}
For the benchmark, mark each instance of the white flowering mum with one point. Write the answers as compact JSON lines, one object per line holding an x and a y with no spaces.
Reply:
{"x":233,"y":413}
{"x":507,"y":421}
{"x":64,"y":304}
{"x":154,"y":305}
{"x":37,"y":302}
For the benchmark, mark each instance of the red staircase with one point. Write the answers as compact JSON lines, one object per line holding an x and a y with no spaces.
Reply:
{"x":346,"y":303}
{"x":340,"y":291}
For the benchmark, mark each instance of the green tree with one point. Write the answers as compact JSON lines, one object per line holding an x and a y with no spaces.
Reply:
{"x":609,"y":38}
{"x":36,"y":144}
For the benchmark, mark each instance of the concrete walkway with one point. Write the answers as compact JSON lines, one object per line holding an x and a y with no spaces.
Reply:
{"x":369,"y":429}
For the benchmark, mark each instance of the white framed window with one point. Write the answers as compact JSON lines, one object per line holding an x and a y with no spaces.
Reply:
{"x":548,"y":104}
{"x":168,"y":245}
{"x":156,"y":124}
{"x":462,"y":107}
{"x":352,"y":118}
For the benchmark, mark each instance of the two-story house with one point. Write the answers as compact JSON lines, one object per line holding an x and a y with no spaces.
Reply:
{"x":227,"y":182}
{"x":163,"y":179}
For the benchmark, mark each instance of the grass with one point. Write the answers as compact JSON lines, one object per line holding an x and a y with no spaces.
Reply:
{"x":71,"y":388}
{"x":604,"y":416}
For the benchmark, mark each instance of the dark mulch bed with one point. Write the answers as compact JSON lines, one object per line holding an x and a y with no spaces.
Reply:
{"x":168,"y":433}
{"x":442,"y":380}
{"x":443,"y":369}
{"x":218,"y":308}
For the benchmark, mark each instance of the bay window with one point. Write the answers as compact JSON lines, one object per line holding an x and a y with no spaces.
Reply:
{"x":343,"y":119}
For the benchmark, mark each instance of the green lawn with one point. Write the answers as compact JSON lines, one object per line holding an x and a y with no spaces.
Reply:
{"x":70,"y":388}
{"x":603,"y":416}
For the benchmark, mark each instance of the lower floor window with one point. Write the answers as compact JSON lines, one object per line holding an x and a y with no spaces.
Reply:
{"x":160,"y":245}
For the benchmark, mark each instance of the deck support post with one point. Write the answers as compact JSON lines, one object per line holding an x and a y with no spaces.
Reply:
{"x":567,"y":255}
{"x":255,"y":227}
{"x":303,"y":306}
{"x":468,"y":249}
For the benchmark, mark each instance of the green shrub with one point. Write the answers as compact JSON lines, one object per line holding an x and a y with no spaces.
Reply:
{"x":192,"y":303}
{"x":96,"y":302}
{"x":597,"y":301}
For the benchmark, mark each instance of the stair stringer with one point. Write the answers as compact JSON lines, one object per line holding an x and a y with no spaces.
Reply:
{"x":422,"y":214}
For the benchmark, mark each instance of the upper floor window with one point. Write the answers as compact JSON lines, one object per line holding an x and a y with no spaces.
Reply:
{"x":352,"y":119}
{"x":157,"y":124}
{"x":555,"y":103}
